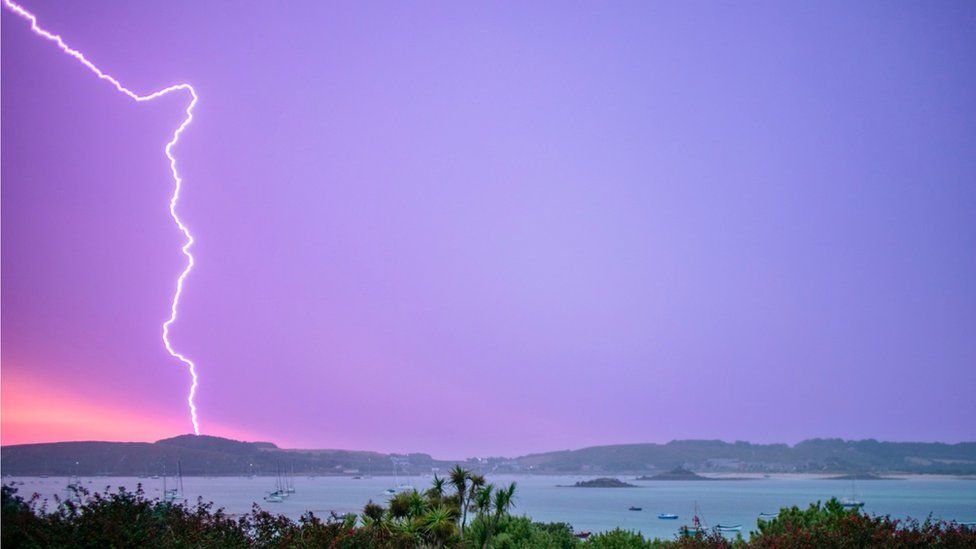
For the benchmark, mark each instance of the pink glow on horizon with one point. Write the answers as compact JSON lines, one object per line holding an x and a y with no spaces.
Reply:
{"x":35,"y":410}
{"x":43,"y":33}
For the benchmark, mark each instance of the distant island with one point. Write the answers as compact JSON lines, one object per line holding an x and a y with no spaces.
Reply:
{"x":676,"y":460}
{"x":679,"y":473}
{"x":603,"y":482}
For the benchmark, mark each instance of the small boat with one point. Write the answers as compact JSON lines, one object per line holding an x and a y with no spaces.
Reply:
{"x":732,"y":528}
{"x":397,"y":485}
{"x":172,"y":494}
{"x":400,"y":488}
{"x":632,"y":508}
{"x":697,"y":528}
{"x":281,"y":488}
{"x":583,"y":535}
{"x":767,"y":516}
{"x":668,"y":516}
{"x":851,"y":503}
{"x":274,"y":497}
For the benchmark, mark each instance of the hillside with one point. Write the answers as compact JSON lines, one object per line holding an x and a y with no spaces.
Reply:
{"x":194,"y":455}
{"x":809,"y":456}
{"x":207,"y":455}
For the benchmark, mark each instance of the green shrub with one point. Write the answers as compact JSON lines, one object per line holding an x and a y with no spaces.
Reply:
{"x":432,"y":519}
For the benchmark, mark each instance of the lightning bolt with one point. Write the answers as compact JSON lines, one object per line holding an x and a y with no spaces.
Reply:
{"x":174,"y":307}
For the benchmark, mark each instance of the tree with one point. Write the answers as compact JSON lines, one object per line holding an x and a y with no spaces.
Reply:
{"x":459,"y":479}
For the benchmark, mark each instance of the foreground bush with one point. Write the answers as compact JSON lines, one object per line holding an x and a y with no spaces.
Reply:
{"x":462,"y":512}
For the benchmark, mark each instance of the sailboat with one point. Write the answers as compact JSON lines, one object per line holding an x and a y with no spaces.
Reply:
{"x":289,"y":481}
{"x":74,"y":489}
{"x":397,"y":487}
{"x":282,"y":489}
{"x":852,"y":502}
{"x":697,"y":525}
{"x":169,"y":495}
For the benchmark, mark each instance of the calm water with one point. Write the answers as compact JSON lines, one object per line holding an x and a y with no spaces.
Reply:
{"x":594,"y":509}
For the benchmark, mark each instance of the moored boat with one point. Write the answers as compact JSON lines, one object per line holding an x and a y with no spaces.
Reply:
{"x":668,"y":516}
{"x":851,"y":503}
{"x":697,"y":527}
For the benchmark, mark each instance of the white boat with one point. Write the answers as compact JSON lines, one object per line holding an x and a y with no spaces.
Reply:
{"x":397,"y":486}
{"x":852,"y":502}
{"x":172,"y":494}
{"x":729,"y":528}
{"x":281,"y":488}
{"x":668,"y":516}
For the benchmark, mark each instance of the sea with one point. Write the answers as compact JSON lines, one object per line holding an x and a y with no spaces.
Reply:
{"x":552,"y":499}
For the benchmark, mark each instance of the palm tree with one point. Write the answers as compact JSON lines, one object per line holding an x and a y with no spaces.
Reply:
{"x":492,"y":504}
{"x":482,"y":501}
{"x":373,"y":513}
{"x":400,"y":506}
{"x":417,"y":504}
{"x":504,"y":501}
{"x":436,"y":492}
{"x":459,"y":479}
{"x":438,"y":525}
{"x":477,"y":481}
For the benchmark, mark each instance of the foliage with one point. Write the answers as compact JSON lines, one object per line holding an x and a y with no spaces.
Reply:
{"x":462,"y":511}
{"x":831,"y":525}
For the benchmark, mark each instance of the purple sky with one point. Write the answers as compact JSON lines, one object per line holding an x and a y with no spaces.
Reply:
{"x":493,"y":229}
